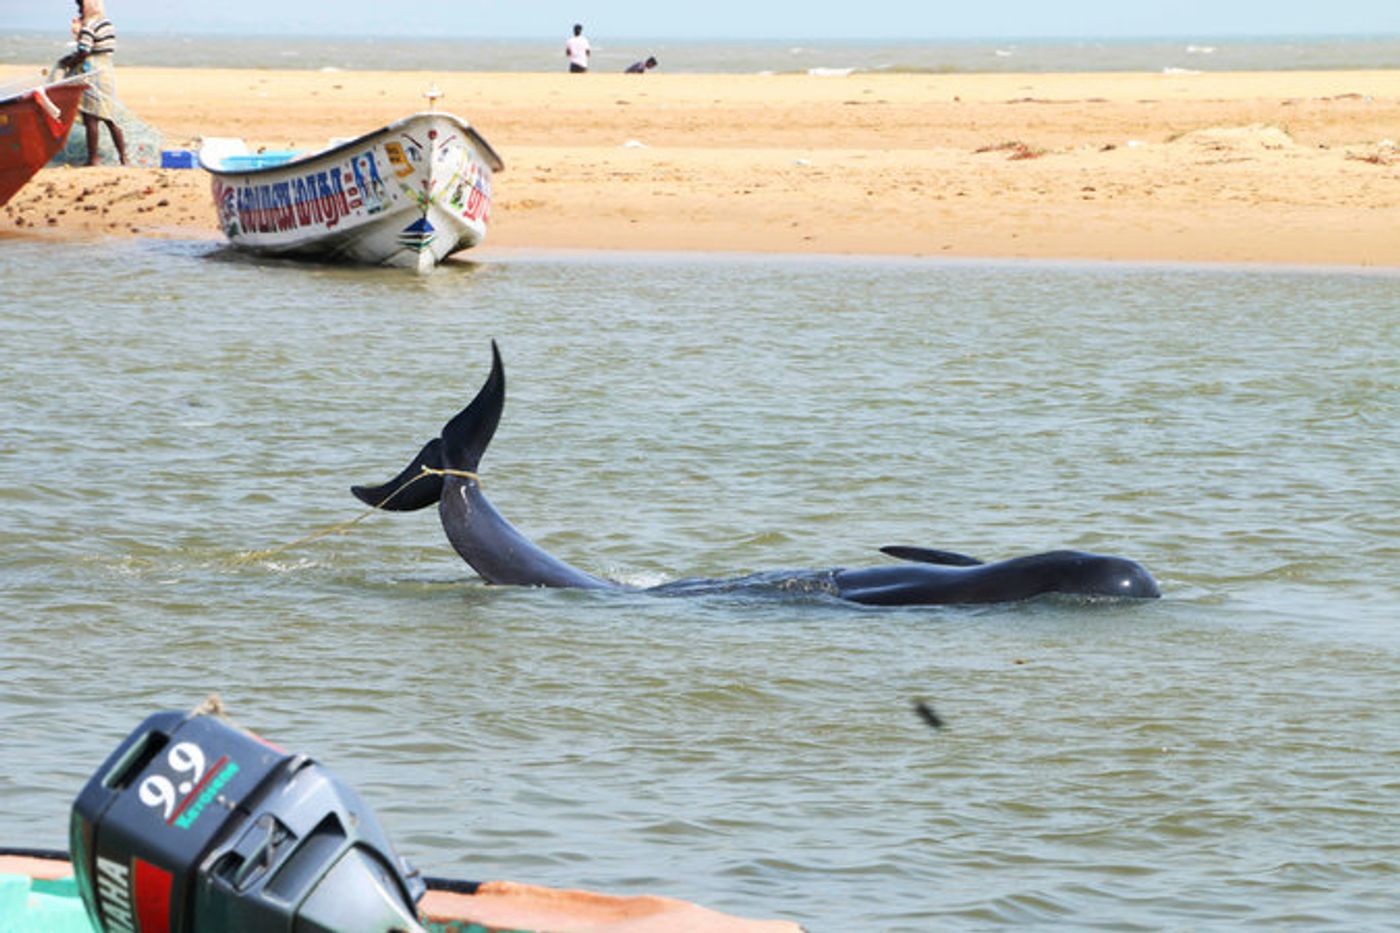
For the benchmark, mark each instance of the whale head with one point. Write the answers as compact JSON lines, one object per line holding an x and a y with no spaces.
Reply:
{"x":1085,"y":574}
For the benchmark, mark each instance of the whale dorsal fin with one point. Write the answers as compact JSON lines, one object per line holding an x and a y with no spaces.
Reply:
{"x":923,"y":555}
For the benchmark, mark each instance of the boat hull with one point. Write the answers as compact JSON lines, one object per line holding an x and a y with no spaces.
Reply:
{"x":410,"y":195}
{"x":34,"y":124}
{"x":49,"y":900}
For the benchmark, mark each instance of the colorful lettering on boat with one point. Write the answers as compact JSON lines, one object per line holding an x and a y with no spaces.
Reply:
{"x":479,"y":201}
{"x":204,"y":794}
{"x":479,"y":192}
{"x":316,"y":199}
{"x":313,"y":199}
{"x":471,"y":196}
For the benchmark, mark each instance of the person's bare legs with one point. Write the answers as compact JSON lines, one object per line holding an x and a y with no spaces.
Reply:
{"x":118,"y":139}
{"x":90,"y":127}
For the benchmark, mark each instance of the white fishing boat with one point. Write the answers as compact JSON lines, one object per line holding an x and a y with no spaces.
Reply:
{"x":409,"y":194}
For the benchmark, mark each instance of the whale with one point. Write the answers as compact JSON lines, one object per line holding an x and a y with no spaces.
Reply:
{"x":445,"y":473}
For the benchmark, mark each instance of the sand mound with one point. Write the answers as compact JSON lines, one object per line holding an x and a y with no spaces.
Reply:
{"x":1250,"y":138}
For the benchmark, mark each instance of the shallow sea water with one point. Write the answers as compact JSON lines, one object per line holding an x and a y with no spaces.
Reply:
{"x":284,"y":48}
{"x":1224,"y":757}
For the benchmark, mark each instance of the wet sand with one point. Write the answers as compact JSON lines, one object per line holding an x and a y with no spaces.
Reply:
{"x":1287,"y":167}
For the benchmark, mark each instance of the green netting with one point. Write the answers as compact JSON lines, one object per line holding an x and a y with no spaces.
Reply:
{"x":143,"y":142}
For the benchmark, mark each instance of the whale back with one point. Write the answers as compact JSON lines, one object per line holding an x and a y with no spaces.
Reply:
{"x":1075,"y":573}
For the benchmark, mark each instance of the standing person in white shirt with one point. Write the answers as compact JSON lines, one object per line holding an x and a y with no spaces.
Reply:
{"x":577,"y":51}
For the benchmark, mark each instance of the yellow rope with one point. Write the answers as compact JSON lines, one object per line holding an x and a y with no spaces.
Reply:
{"x":250,"y":556}
{"x":464,"y":474}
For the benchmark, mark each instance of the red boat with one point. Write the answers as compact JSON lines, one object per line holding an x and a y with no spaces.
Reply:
{"x":34,"y":124}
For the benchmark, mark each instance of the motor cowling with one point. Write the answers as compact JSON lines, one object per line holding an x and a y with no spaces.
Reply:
{"x":193,"y":824}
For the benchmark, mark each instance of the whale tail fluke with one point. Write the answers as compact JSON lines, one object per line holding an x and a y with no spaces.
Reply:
{"x":466,"y":437}
{"x":462,"y":442}
{"x":404,"y":493}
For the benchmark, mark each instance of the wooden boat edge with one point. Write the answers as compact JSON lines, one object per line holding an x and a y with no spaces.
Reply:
{"x":501,"y":905}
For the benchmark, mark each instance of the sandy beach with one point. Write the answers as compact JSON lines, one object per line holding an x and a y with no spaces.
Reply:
{"x":1286,"y":167}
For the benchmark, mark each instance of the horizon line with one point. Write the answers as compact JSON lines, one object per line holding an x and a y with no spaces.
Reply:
{"x":695,"y":40}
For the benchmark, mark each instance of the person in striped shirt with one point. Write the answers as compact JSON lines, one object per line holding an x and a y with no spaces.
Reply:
{"x":97,"y":41}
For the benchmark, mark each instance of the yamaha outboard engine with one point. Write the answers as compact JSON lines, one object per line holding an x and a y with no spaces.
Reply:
{"x":193,"y":824}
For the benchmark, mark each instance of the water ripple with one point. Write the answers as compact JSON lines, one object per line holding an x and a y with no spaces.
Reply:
{"x":1224,"y":757}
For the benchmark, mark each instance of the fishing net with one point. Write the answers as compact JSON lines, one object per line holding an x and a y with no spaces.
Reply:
{"x":143,"y":142}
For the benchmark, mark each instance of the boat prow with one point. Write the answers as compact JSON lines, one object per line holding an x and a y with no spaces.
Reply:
{"x":35,"y":118}
{"x":409,"y":194}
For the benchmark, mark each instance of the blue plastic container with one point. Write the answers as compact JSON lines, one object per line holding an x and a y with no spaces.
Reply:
{"x":177,"y":158}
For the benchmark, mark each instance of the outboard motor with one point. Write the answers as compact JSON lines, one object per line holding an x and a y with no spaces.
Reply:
{"x":193,"y":824}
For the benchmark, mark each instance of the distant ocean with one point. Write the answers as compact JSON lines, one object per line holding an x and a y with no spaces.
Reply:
{"x":940,"y":56}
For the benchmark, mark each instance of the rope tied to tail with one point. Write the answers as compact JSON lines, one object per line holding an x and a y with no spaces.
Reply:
{"x":339,"y":527}
{"x":460,"y":474}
